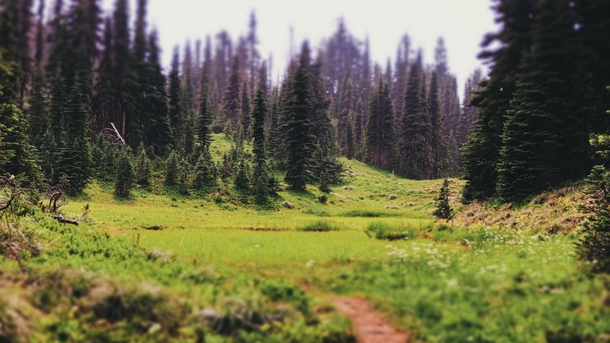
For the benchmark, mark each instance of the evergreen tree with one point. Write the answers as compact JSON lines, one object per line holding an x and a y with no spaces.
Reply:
{"x":242,"y":176}
{"x":440,"y":157}
{"x":205,"y":171}
{"x":443,"y":208}
{"x":176,"y":112}
{"x":171,"y":169}
{"x":232,"y":103}
{"x":17,"y":156}
{"x":155,"y":104}
{"x":545,"y":140}
{"x":380,"y":137}
{"x":297,"y":127}
{"x":125,"y":177}
{"x":75,"y":160}
{"x":482,"y":152}
{"x":416,"y":129}
{"x":349,"y":139}
{"x":245,"y":111}
{"x":274,"y":143}
{"x":204,"y":120}
{"x":262,"y":177}
{"x":143,"y":167}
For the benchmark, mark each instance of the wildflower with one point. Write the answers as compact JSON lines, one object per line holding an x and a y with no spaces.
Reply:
{"x":310,"y":264}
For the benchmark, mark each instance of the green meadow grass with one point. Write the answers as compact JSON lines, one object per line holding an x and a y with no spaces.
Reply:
{"x":440,"y":282}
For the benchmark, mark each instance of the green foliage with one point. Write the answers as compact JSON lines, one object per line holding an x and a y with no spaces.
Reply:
{"x":443,"y":208}
{"x":416,"y":128}
{"x":387,"y":232}
{"x":171,"y":169}
{"x":125,"y":177}
{"x":205,"y":171}
{"x":297,"y":126}
{"x":143,"y":170}
{"x":594,"y":245}
{"x":380,"y":134}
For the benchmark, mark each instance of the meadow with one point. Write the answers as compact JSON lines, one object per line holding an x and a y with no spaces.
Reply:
{"x":178,"y":267}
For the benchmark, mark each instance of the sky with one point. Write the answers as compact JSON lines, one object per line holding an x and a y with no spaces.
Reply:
{"x":462,"y":24}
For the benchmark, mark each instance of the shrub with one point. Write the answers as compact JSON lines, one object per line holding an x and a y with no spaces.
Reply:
{"x":594,"y":245}
{"x":384,"y":231}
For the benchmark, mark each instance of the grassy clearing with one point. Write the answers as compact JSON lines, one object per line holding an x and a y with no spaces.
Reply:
{"x":493,"y":275}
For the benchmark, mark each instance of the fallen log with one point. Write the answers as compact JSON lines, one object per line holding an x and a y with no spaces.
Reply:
{"x":65,"y":220}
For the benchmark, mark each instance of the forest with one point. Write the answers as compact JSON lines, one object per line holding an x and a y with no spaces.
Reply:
{"x":211,"y":203}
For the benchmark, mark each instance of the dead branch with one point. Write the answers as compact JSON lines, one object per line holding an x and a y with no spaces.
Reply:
{"x":65,"y":220}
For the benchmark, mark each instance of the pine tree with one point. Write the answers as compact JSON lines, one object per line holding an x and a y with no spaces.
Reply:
{"x":232,"y":103}
{"x":245,"y":111}
{"x":159,"y":133}
{"x":299,"y":141}
{"x":17,"y":156}
{"x":204,"y":120}
{"x":274,"y":143}
{"x":545,"y":140}
{"x":125,"y":177}
{"x":440,"y":153}
{"x":205,"y":171}
{"x":416,"y":129}
{"x":443,"y":208}
{"x":171,"y":169}
{"x":75,"y":160}
{"x":482,"y":152}
{"x":349,"y":139}
{"x":143,"y":167}
{"x":380,"y":137}
{"x":176,"y":112}
{"x":262,"y":175}
{"x":242,"y":176}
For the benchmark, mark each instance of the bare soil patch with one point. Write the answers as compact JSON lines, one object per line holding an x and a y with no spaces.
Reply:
{"x":370,"y":325}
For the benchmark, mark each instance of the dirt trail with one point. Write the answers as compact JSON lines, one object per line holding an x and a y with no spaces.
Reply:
{"x":369,"y":324}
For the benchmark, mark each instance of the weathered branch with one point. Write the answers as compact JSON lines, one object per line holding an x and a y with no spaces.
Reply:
{"x":65,"y":220}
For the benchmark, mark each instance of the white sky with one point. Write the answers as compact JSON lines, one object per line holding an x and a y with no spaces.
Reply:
{"x":462,"y":23}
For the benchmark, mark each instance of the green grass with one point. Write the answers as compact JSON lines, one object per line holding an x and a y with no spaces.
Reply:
{"x":374,"y":238}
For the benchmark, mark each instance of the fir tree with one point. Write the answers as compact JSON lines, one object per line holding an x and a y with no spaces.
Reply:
{"x":242,"y":176}
{"x":440,"y":158}
{"x":349,"y":139}
{"x":75,"y":160}
{"x":380,"y":138}
{"x":159,"y":133}
{"x":125,"y":177}
{"x":176,"y":112}
{"x":232,"y":103}
{"x":544,"y":138}
{"x":261,"y":176}
{"x":143,"y":167}
{"x":443,"y":208}
{"x":482,"y":152}
{"x":171,"y":169}
{"x":416,"y":129}
{"x":245,"y":111}
{"x":299,"y":141}
{"x":204,"y":120}
{"x":205,"y":171}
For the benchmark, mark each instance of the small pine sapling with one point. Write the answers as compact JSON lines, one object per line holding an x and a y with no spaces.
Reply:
{"x":125,"y":177}
{"x":443,"y":208}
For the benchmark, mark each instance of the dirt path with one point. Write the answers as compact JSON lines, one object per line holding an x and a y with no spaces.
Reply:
{"x":370,"y":325}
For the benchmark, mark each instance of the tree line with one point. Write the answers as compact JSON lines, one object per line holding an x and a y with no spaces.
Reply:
{"x":541,"y":114}
{"x":85,"y":96}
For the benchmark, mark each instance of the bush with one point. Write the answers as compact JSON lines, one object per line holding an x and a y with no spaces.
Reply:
{"x":384,"y":231}
{"x":594,"y":245}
